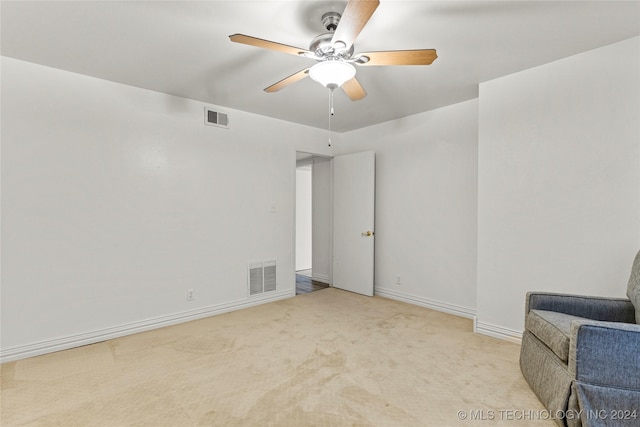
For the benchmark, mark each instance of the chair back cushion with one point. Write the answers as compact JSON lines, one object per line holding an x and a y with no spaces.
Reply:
{"x":633,"y":288}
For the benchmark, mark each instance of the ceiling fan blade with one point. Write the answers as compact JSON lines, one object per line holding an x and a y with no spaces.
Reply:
{"x":266,"y":44}
{"x":354,"y":90}
{"x":288,"y":80}
{"x":354,"y":18}
{"x":399,"y":57}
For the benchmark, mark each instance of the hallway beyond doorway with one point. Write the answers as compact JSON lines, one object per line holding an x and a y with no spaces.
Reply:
{"x":305,"y":284}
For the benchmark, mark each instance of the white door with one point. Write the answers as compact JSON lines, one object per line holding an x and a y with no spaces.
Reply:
{"x":353,"y":220}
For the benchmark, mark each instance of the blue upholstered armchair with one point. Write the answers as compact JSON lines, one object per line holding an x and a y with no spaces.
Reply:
{"x":581,"y":355}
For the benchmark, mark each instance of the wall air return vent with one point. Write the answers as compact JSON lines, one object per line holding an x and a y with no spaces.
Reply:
{"x":262,"y":277}
{"x":216,"y":118}
{"x":269,"y":276}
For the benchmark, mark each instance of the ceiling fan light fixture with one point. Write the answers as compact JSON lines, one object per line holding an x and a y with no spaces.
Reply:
{"x":332,"y":74}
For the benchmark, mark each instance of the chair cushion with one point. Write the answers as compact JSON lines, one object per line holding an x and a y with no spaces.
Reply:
{"x":633,"y":288}
{"x":553,"y":329}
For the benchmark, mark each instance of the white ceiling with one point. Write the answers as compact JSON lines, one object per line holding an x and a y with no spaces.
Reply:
{"x":182,"y":48}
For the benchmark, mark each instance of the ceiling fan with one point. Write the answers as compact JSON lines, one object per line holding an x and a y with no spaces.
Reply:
{"x":334,"y":51}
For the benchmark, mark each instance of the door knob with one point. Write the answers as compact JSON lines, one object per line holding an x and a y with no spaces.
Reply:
{"x":367,"y":233}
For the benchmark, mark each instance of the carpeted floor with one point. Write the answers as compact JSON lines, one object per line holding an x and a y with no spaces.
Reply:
{"x":328,"y":358}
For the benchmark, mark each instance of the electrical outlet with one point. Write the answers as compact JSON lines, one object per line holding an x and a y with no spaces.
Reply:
{"x":398,"y":279}
{"x":190,"y":295}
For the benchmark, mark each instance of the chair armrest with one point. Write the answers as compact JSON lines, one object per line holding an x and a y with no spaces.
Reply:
{"x":605,"y":354}
{"x":595,"y":308}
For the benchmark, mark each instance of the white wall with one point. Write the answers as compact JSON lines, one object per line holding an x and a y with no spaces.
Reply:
{"x":322,"y":225}
{"x":426,"y":205}
{"x":117,"y":200}
{"x":303,"y":217}
{"x":559,"y":182}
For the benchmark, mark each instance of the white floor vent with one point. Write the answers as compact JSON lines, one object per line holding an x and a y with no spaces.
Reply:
{"x":262,"y":277}
{"x":216,"y":118}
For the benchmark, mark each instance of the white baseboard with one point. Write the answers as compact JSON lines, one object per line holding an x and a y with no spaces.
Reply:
{"x":428,"y":303}
{"x":319,"y":277}
{"x":497,"y":331}
{"x":478,"y":327}
{"x":65,"y":343}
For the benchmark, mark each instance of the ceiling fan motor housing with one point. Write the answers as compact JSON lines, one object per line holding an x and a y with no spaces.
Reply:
{"x":323,"y":48}
{"x":321,"y":45}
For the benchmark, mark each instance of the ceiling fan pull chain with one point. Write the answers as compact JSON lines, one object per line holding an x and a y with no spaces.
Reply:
{"x":330,"y":114}
{"x":331,"y":103}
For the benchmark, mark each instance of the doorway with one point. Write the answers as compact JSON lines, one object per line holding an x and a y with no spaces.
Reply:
{"x":342,"y":221}
{"x":313,"y":223}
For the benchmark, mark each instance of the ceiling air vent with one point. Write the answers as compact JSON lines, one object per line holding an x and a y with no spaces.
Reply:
{"x":216,"y":118}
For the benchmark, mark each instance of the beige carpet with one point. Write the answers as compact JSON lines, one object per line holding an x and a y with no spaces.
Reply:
{"x":329,"y":358}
